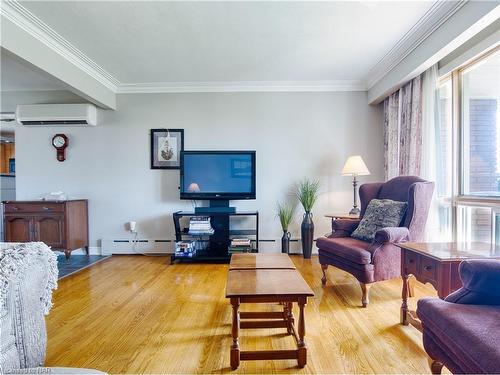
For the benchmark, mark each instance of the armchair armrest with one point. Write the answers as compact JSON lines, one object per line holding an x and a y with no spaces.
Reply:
{"x":480,"y":279}
{"x":392,"y":235}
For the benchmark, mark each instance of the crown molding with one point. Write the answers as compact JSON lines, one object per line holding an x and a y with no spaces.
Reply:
{"x":23,"y":18}
{"x":439,"y":13}
{"x":427,"y":24}
{"x":242,"y":86}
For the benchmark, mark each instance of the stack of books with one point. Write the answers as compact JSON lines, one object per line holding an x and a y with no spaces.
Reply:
{"x":240,"y":245}
{"x":200,"y":225}
{"x":185,"y":249}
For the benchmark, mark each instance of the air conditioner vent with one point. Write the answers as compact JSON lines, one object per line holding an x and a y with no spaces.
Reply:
{"x":57,"y":122}
{"x":57,"y":115}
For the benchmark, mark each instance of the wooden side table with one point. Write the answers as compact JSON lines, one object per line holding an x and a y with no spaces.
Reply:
{"x":342,"y":216}
{"x":437,"y":264}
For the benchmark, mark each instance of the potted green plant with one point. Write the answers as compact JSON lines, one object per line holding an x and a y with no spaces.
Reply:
{"x":285,"y":213}
{"x":307,"y":194}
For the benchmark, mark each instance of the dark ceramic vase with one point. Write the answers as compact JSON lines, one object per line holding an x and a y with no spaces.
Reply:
{"x":307,"y":234}
{"x":285,"y":242}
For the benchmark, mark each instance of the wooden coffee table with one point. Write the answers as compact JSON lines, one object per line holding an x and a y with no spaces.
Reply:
{"x":284,"y":286}
{"x":437,"y":264}
{"x":251,"y":261}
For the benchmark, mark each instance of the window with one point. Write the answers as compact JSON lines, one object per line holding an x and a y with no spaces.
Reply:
{"x":480,"y":89}
{"x":468,"y":158}
{"x":474,"y":224}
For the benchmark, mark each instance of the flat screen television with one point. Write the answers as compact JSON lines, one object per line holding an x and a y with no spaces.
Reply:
{"x":217,"y":175}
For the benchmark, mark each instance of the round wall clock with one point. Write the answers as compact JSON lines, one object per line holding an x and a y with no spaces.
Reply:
{"x":60,"y":142}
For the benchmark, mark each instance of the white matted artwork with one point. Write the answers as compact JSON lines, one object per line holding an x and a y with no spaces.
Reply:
{"x":166,"y":145}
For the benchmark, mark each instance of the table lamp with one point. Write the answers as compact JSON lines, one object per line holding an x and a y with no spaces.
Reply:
{"x":193,"y":188}
{"x":355,"y":166}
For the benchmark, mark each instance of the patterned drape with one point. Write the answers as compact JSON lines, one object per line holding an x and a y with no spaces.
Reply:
{"x":403,"y":130}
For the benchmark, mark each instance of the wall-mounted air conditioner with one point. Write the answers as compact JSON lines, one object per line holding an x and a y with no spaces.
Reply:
{"x":57,"y":114}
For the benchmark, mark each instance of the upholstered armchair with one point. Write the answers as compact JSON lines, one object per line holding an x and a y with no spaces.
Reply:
{"x":463,"y":331}
{"x":380,"y":259}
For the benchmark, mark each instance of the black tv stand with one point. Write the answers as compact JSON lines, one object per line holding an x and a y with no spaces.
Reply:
{"x":221,"y":206}
{"x":217,"y":243}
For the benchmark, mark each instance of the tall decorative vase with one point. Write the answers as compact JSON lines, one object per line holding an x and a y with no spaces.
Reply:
{"x":307,"y":234}
{"x":285,"y":242}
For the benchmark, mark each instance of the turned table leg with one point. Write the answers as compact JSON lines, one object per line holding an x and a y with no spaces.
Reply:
{"x":404,"y":296}
{"x":301,"y":344}
{"x":235,"y":347}
{"x":290,"y":318}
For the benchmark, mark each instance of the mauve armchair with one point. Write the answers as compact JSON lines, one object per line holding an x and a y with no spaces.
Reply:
{"x":380,"y":259}
{"x":463,"y":331}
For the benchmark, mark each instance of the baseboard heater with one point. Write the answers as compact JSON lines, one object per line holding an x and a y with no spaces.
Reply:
{"x":136,"y":246}
{"x":166,"y":246}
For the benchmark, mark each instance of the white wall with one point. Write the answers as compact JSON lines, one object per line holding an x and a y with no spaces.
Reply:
{"x":295,"y":135}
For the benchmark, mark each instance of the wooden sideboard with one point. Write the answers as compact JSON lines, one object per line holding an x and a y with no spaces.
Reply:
{"x":63,"y":225}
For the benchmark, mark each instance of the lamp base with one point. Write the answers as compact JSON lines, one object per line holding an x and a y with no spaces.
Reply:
{"x":354,"y":211}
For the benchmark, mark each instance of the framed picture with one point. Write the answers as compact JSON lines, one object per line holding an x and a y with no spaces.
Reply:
{"x":166,"y":147}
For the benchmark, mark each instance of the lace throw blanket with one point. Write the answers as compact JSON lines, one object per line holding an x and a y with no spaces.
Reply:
{"x":15,"y":259}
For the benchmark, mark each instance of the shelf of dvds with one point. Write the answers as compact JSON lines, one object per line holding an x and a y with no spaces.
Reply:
{"x":211,"y":234}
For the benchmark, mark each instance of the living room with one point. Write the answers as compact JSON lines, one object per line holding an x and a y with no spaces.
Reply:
{"x":332,"y":119}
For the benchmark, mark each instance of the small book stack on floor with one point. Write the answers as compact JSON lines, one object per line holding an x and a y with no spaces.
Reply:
{"x":240,"y":245}
{"x":200,"y":225}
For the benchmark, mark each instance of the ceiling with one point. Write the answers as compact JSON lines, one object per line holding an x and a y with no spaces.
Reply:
{"x":16,"y":75}
{"x":203,"y":42}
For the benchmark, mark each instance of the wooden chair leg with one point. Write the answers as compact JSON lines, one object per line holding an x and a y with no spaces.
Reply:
{"x":435,"y":366}
{"x":324,"y":267}
{"x":365,"y":288}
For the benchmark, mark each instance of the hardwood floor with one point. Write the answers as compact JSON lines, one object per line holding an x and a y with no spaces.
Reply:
{"x":137,"y":314}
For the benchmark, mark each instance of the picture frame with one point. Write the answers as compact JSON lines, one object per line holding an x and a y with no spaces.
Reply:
{"x":166,"y":146}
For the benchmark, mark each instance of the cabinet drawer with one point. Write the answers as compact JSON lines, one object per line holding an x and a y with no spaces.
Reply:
{"x":428,"y":269}
{"x":410,"y":262}
{"x":42,"y":207}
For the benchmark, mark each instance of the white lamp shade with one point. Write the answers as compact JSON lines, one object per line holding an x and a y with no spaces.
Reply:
{"x":355,"y":166}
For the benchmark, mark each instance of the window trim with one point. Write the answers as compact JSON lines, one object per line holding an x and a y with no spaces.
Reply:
{"x":459,"y":169}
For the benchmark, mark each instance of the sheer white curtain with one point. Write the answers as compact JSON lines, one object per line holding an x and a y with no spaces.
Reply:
{"x":432,"y":153}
